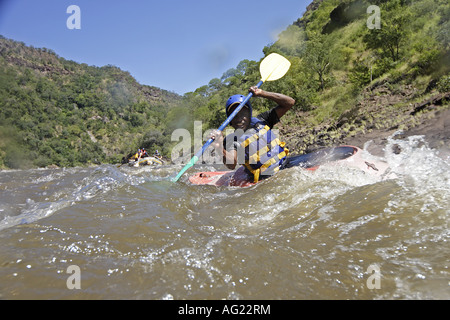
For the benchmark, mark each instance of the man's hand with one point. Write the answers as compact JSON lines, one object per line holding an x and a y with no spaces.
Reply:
{"x":217,"y":136}
{"x":229,"y":158}
{"x":256,"y":91}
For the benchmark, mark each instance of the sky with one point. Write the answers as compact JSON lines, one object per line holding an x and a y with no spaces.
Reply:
{"x":171,"y":44}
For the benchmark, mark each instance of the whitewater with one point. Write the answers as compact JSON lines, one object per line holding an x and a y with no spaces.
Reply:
{"x":335,"y":233}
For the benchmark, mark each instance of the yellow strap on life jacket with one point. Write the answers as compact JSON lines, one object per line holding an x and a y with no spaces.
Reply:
{"x":257,"y":156}
{"x":255,"y":137}
{"x":257,"y":172}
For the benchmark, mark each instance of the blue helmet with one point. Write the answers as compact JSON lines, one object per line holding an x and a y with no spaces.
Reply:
{"x":236,"y":100}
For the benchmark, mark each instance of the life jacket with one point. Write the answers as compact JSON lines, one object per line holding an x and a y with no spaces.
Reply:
{"x":264,"y":152}
{"x":135,"y":157}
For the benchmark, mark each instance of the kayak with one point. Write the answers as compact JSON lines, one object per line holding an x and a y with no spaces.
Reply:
{"x":145,"y":161}
{"x":343,"y":155}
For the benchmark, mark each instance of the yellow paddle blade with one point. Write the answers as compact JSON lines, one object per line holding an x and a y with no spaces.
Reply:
{"x":273,"y":67}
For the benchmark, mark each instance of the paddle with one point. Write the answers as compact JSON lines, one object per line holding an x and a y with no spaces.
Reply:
{"x":273,"y":67}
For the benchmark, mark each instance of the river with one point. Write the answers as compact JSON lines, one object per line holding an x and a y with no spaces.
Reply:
{"x":111,"y":232}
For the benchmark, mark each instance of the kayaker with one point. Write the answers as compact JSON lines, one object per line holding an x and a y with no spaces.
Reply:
{"x":254,"y":144}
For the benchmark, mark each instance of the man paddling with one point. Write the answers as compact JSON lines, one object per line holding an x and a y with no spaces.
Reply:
{"x":254,"y":144}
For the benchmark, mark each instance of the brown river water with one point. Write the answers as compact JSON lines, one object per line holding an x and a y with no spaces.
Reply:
{"x":129,"y":233}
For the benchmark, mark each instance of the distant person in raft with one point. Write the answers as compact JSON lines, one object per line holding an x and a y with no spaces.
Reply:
{"x":254,"y":144}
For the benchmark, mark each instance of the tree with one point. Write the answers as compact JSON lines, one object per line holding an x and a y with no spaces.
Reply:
{"x":214,"y":85}
{"x":137,"y":120}
{"x":318,"y":57}
{"x":152,"y":139}
{"x":361,"y":72}
{"x":392,"y":33}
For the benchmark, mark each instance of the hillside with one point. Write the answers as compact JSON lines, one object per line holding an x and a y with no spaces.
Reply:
{"x":57,"y":112}
{"x":376,"y":81}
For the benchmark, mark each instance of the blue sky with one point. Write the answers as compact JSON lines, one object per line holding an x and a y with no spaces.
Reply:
{"x":172,"y":44}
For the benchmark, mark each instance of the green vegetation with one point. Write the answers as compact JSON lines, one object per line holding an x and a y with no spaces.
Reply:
{"x":54,"y":111}
{"x":58,"y":112}
{"x":338,"y":63}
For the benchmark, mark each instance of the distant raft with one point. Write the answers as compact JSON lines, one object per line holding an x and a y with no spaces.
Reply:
{"x":147,"y":161}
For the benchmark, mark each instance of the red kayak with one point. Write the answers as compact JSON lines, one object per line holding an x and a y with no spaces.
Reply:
{"x":343,"y":155}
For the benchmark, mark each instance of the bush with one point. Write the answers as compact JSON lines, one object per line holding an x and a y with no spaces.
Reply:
{"x":360,"y":73}
{"x":443,"y":84}
{"x":428,"y":61}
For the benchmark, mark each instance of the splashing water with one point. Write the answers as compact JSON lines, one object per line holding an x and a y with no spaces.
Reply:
{"x":298,"y":235}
